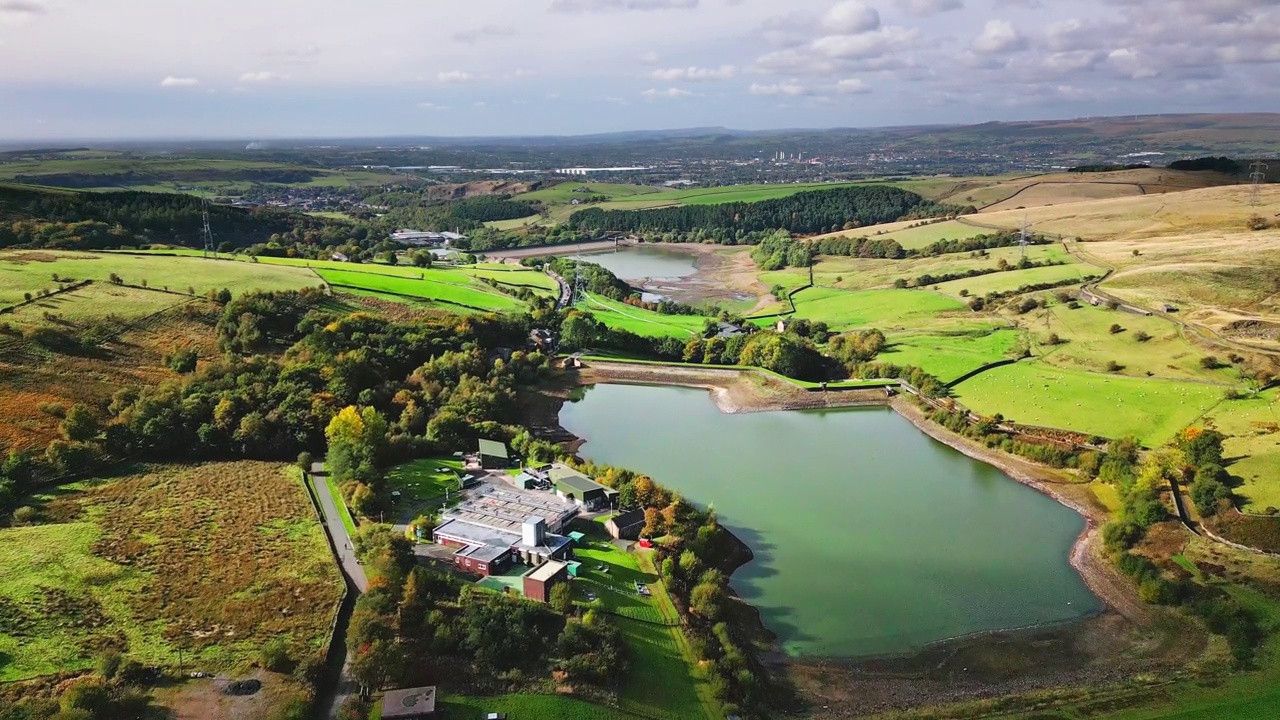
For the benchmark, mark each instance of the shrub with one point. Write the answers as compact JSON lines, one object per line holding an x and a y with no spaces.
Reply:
{"x":1115,"y":329}
{"x":1113,"y":366}
{"x":1211,"y":362}
{"x":26,"y":515}
{"x":274,"y":656}
{"x":1053,"y":339}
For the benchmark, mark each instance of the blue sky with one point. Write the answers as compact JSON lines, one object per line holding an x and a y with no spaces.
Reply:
{"x":88,"y":69}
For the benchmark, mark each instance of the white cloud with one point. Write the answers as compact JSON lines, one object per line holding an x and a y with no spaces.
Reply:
{"x":669,"y":93}
{"x":260,"y":76}
{"x":865,"y":45}
{"x":851,"y":17}
{"x":853,"y":86}
{"x":790,"y":88}
{"x":695,"y":74}
{"x":650,"y":58}
{"x":455,"y":77}
{"x":432,"y":106}
{"x":999,"y":36}
{"x":521,"y":73}
{"x":598,"y":6}
{"x":17,"y":12}
{"x":171,"y":81}
{"x":925,"y":8}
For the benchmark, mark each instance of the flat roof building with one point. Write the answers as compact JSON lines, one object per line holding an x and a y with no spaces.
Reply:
{"x":511,"y":525}
{"x":410,"y":704}
{"x":539,"y":581}
{"x":493,"y":454}
{"x":577,"y":488}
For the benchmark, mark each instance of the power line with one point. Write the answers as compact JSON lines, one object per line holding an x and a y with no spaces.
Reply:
{"x":206,"y":230}
{"x":1257,"y":176}
{"x":1025,"y":238}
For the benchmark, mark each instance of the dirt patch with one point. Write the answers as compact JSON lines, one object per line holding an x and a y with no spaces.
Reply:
{"x":479,"y":188}
{"x":209,"y":699}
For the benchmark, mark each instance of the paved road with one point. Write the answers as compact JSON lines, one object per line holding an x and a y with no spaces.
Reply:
{"x":357,"y":583}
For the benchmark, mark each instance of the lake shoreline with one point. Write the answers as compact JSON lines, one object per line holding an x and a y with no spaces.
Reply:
{"x":876,"y":683}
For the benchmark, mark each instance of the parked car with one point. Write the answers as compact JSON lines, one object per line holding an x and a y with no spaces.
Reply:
{"x":496,"y":716}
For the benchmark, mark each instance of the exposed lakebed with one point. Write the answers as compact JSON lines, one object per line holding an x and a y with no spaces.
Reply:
{"x":869,"y":536}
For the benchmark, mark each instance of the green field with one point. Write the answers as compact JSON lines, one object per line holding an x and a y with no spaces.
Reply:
{"x":1090,"y":344}
{"x":1252,"y":428}
{"x":1111,"y":406}
{"x":30,"y":271}
{"x":115,"y":566}
{"x":951,"y":355}
{"x":647,"y":323}
{"x":567,"y":192}
{"x":885,"y":309}
{"x":918,"y":237}
{"x":474,"y":296}
{"x":1012,"y":280}
{"x":199,"y":176}
{"x":93,"y":301}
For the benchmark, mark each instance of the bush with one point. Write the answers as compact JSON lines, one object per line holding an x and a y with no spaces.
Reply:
{"x":274,"y":656}
{"x":26,"y":515}
{"x":1141,"y":336}
{"x":1113,"y":366}
{"x":1115,"y":329}
{"x":1211,"y":362}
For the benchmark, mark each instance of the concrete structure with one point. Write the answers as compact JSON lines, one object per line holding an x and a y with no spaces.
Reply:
{"x":499,"y":526}
{"x":625,"y":526}
{"x":573,"y":486}
{"x":420,"y":238}
{"x":409,"y":704}
{"x":494,"y":455}
{"x":539,"y":582}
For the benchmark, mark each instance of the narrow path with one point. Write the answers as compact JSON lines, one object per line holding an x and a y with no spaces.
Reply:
{"x":357,"y":583}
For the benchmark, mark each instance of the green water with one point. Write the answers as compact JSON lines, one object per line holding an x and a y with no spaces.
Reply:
{"x":644,"y":262}
{"x":869,"y":536}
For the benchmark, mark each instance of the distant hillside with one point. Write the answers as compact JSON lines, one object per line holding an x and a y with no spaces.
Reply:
{"x":43,"y":217}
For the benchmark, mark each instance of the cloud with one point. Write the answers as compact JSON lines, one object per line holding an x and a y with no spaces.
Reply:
{"x":260,"y":76}
{"x":600,"y":6}
{"x":172,"y":82}
{"x":852,"y":86}
{"x":926,"y":8}
{"x":790,"y":88}
{"x":669,"y":93}
{"x":650,"y":58}
{"x":432,"y":106}
{"x":696,"y":74}
{"x":865,"y":45}
{"x":484,"y":31}
{"x":454,"y":77}
{"x":521,"y":73}
{"x":850,"y":18}
{"x":18,"y":12}
{"x":999,"y":36}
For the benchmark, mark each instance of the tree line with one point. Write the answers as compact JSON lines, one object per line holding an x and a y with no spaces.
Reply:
{"x":809,"y":212}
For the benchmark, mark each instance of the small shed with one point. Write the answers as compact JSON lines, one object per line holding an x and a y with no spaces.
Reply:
{"x":525,"y":481}
{"x":574,"y":566}
{"x":539,"y":581}
{"x":494,"y":455}
{"x":577,"y":537}
{"x":625,"y":526}
{"x":409,"y":704}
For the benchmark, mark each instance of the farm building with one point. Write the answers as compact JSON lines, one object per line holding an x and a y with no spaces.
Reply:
{"x":483,"y":560}
{"x":572,"y":486}
{"x":625,"y":526}
{"x":494,"y":455}
{"x":539,"y":582}
{"x":409,"y":704}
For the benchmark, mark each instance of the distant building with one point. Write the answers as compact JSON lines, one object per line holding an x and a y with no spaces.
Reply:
{"x":539,"y":582}
{"x":498,"y":526}
{"x":410,"y":704}
{"x":494,"y":455}
{"x":625,"y":526}
{"x":727,"y":330}
{"x":425,"y":238}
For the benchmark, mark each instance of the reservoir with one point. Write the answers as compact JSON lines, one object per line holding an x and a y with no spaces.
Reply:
{"x":645,"y":262}
{"x":869,"y":536}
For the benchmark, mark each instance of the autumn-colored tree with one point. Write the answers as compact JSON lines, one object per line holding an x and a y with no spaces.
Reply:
{"x":653,"y":524}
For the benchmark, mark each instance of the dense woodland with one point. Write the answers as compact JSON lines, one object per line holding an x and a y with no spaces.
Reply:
{"x":814,"y":211}
{"x":94,"y":221}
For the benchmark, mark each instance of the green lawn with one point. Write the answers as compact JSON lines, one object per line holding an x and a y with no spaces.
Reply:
{"x":91,"y":302}
{"x":335,"y":493}
{"x":523,"y":277}
{"x":423,"y":480}
{"x":885,"y":309}
{"x":648,"y":323}
{"x":569,"y":191}
{"x":951,"y":355}
{"x":30,"y":271}
{"x":615,"y":589}
{"x":1006,"y":281}
{"x":528,"y":707}
{"x":475,"y":296}
{"x":1107,"y":405}
{"x":1252,"y":428}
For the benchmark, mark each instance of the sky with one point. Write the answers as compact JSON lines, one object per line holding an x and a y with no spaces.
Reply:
{"x":260,"y":69}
